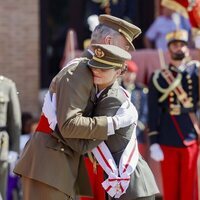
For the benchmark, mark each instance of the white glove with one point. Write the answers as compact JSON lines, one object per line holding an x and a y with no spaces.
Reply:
{"x":49,"y":109}
{"x":92,"y":21}
{"x":125,"y":116}
{"x":12,"y":158}
{"x":156,"y":152}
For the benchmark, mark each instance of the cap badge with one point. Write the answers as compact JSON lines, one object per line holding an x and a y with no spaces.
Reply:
{"x":99,"y":53}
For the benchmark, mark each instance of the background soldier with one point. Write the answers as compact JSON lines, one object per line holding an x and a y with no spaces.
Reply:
{"x":10,"y":127}
{"x":173,"y":102}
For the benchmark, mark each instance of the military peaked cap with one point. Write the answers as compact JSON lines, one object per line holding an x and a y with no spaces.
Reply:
{"x":108,"y":57}
{"x":128,"y":30}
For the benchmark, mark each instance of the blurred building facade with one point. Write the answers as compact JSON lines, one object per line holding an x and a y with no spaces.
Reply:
{"x":19,"y":49}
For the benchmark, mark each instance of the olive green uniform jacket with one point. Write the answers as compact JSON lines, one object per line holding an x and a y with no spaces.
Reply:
{"x":142,"y":182}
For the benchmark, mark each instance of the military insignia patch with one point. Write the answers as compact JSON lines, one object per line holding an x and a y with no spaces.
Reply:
{"x":99,"y":53}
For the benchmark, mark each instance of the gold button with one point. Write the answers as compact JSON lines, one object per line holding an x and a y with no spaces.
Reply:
{"x":145,"y":90}
{"x":189,"y":81}
{"x":190,"y":86}
{"x":188,"y":77}
{"x":171,"y":94}
{"x":62,"y":149}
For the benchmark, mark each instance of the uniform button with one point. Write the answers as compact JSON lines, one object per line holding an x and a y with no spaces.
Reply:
{"x":145,"y":90}
{"x":188,"y":77}
{"x":171,"y":94}
{"x":190,"y":86}
{"x":62,"y":149}
{"x":189,"y":81}
{"x":94,"y":139}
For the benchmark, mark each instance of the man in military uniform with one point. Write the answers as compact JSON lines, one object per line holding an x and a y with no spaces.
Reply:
{"x":138,"y":94}
{"x":10,"y":127}
{"x":50,"y":150}
{"x":173,"y":124}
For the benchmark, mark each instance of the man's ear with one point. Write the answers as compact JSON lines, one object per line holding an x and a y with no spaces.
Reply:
{"x":119,"y":72}
{"x":108,"y":39}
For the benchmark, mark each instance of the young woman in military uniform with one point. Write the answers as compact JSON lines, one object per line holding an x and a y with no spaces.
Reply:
{"x":107,"y":65}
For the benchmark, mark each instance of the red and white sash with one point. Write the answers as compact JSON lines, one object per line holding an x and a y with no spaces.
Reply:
{"x":118,"y":177}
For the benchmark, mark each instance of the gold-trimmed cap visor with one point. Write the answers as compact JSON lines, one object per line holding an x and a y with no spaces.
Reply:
{"x":108,"y":57}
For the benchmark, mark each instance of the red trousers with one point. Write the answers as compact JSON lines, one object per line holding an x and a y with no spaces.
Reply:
{"x":96,"y":178}
{"x":179,"y":172}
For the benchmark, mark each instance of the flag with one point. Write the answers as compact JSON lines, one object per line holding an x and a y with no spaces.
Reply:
{"x":189,"y":8}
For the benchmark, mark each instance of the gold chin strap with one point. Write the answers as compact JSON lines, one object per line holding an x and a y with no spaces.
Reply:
{"x":107,"y":62}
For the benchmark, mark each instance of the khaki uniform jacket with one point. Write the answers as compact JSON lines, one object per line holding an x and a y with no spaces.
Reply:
{"x":51,"y":159}
{"x":142,"y":182}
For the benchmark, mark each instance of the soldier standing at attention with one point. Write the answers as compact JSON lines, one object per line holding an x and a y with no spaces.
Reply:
{"x":10,"y":127}
{"x":173,"y":124}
